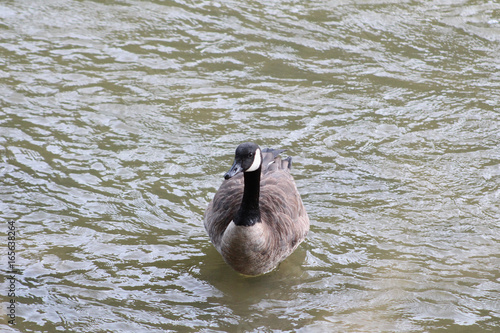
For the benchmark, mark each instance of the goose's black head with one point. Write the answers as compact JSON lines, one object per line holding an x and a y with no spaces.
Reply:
{"x":247,"y":158}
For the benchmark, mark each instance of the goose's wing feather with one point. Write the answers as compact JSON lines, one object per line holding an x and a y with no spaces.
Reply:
{"x":223,"y":207}
{"x":282,"y":209}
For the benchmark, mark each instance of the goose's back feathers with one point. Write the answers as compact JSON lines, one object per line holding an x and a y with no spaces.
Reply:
{"x":283,"y":222}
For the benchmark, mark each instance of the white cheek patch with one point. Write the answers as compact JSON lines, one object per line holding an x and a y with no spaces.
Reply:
{"x":257,"y":160}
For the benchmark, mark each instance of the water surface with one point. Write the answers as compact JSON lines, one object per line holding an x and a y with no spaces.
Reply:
{"x":118,"y":120}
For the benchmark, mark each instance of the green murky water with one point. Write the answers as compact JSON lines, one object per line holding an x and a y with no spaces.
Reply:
{"x":119,"y":118}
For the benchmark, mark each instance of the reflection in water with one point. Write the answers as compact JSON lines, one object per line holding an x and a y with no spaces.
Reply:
{"x":118,"y":121}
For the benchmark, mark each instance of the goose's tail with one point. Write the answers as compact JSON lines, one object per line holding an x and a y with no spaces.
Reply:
{"x":271,"y":160}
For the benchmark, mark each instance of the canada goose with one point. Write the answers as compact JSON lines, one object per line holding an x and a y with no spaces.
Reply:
{"x":257,"y":217}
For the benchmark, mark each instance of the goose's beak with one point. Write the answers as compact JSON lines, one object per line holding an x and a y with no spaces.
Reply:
{"x":235,"y":169}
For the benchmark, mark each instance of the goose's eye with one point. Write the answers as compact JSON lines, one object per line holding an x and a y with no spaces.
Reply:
{"x":250,"y":154}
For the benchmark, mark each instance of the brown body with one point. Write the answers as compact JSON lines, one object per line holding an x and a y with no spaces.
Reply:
{"x":283,"y":224}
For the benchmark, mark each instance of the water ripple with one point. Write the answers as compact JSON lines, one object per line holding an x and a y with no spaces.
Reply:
{"x":118,"y":120}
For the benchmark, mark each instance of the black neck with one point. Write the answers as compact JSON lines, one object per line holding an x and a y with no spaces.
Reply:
{"x":249,"y":212}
